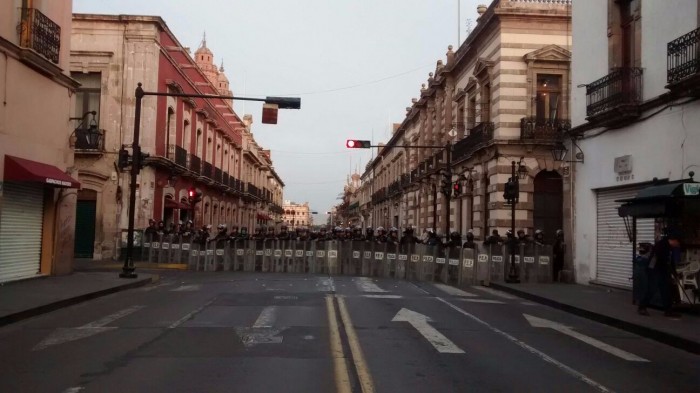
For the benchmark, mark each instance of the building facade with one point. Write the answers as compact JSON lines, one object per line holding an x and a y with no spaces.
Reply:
{"x":297,"y":215}
{"x":502,"y":97}
{"x":194,"y":143}
{"x":636,"y":118}
{"x":37,"y":176}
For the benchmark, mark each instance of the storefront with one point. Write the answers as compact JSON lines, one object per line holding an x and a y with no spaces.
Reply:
{"x":27,"y":189}
{"x":614,"y":248}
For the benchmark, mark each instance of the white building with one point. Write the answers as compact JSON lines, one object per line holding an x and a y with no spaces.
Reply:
{"x":634,"y":118}
{"x":296,"y":215}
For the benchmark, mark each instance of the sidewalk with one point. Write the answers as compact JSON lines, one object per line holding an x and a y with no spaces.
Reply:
{"x":89,"y":265}
{"x":612,"y":307}
{"x":25,"y":299}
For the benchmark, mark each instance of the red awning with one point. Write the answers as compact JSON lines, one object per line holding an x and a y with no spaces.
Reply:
{"x":20,"y":169}
{"x":169,"y":203}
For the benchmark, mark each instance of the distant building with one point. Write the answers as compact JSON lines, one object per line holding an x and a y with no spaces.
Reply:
{"x":194,"y":143}
{"x":38,"y":180}
{"x":296,"y":215}
{"x":635,"y":118}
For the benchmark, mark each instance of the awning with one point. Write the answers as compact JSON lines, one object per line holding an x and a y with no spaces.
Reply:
{"x":659,"y":200}
{"x":171,"y":204}
{"x":20,"y":169}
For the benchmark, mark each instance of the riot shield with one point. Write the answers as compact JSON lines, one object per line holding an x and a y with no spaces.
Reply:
{"x":259,"y":253}
{"x":483,"y":264}
{"x":467,"y":275}
{"x":544,"y":263}
{"x":332,"y":260}
{"x":392,"y":252}
{"x":454,"y":255}
{"x":498,"y":265}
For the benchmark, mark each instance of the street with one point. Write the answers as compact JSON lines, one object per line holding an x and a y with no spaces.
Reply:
{"x":236,"y":332}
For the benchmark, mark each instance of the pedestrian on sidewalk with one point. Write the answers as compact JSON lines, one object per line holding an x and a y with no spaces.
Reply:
{"x":558,"y":249}
{"x":661,"y":272}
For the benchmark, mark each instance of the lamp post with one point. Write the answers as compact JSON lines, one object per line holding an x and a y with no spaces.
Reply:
{"x":512,"y":194}
{"x":137,"y":157}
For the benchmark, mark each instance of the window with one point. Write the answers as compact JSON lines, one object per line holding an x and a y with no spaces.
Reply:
{"x":485,"y":103}
{"x":624,"y":26}
{"x":170,"y":133}
{"x":471,"y":113}
{"x":198,"y":143}
{"x":87,"y":97}
{"x":186,"y":135}
{"x":548,"y":97}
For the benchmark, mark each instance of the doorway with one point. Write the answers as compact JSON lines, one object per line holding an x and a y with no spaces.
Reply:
{"x":548,"y":215}
{"x":85,"y":216}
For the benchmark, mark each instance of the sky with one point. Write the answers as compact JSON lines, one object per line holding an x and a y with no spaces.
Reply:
{"x":355,"y":64}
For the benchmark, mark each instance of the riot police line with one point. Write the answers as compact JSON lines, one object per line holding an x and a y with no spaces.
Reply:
{"x":413,"y":261}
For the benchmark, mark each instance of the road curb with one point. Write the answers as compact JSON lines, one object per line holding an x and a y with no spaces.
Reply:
{"x":644,"y":331}
{"x":47,"y":308}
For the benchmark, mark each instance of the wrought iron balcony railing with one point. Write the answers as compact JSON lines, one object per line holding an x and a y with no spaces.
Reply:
{"x":89,"y":140}
{"x":218,"y":175}
{"x":195,"y":164}
{"x":180,"y":156}
{"x":207,"y":170}
{"x":225,"y":180}
{"x":40,"y":33}
{"x":623,"y":86}
{"x":533,"y":128}
{"x":683,"y":57}
{"x":478,"y":136}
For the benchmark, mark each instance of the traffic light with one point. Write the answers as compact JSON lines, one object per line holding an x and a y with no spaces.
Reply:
{"x":193,"y":196}
{"x":457,"y":189}
{"x":511,"y":191}
{"x":142,"y":161}
{"x":357,"y":144}
{"x":446,"y":183}
{"x":124,"y":159}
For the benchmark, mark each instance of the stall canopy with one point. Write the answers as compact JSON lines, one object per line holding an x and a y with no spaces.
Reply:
{"x":663,"y":200}
{"x":21,"y":170}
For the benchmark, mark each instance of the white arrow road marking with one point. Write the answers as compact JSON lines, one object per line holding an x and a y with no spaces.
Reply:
{"x":419,"y":321}
{"x":266,"y":318}
{"x":453,"y":291}
{"x":487,"y":301}
{"x":383,"y":296}
{"x":530,"y":349}
{"x":186,"y":288}
{"x":64,"y":335}
{"x":190,"y":315}
{"x":545,"y":323}
{"x":365,"y":284}
{"x":75,"y":389}
{"x":325,"y":284}
{"x":495,"y":292}
{"x":253,"y":336}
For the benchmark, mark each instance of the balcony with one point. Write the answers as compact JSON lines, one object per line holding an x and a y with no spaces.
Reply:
{"x":543,"y":130}
{"x":195,"y":164}
{"x":218,"y":175}
{"x":88,"y":140}
{"x":225,"y":180}
{"x":207,"y":169}
{"x":478,"y":137}
{"x":615,"y":98}
{"x":177,"y":155}
{"x":683,"y":64}
{"x":394,"y":189}
{"x":253,"y":191}
{"x":40,"y":33}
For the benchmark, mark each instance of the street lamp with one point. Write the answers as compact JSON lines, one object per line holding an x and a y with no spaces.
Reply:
{"x":511,"y":194}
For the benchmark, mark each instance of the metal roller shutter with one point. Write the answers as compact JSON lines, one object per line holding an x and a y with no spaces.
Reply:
{"x":614,"y":249}
{"x":20,"y":231}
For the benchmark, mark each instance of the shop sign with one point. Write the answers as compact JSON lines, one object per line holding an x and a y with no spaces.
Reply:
{"x":691,"y":189}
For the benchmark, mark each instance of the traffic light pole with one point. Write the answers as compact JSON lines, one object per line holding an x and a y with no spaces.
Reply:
{"x":513,"y":273}
{"x":128,"y":268}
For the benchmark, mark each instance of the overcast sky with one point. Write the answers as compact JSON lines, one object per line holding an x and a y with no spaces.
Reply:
{"x":356,"y":64}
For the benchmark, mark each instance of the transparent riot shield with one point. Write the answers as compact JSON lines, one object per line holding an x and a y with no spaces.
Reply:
{"x":299,"y":260}
{"x":267,"y":265}
{"x":414,"y":270}
{"x":345,"y":257}
{"x":392,"y":252}
{"x":276,"y":260}
{"x":544,"y":263}
{"x":498,"y":265}
{"x":332,"y":260}
{"x":454,"y":255}
{"x":259,"y":253}
{"x":185,"y":248}
{"x":287,"y":247}
{"x":154,"y":251}
{"x":251,"y":255}
{"x":483,"y":263}
{"x":441,"y":264}
{"x":379,"y":260}
{"x":367,"y":258}
{"x":357,"y":248}
{"x":527,"y":263}
{"x":428,"y":263}
{"x":402,"y":260}
{"x":146,"y":249}
{"x":164,"y":251}
{"x":467,"y":274}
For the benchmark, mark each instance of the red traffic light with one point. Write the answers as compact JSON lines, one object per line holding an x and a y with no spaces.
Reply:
{"x":357,"y":144}
{"x":191,"y":192}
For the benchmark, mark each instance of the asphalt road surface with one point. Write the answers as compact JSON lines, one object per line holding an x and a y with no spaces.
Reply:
{"x":234,"y":332}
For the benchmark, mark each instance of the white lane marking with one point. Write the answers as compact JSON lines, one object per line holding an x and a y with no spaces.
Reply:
{"x":365,"y":284}
{"x":419,"y":321}
{"x":530,"y":349}
{"x":495,"y":292}
{"x":420,"y":289}
{"x":487,"y":301}
{"x":186,"y":288}
{"x":254,"y":336}
{"x":63,"y":335}
{"x":280,"y":297}
{"x":150,"y":288}
{"x":325,"y":284}
{"x":529,"y":303}
{"x":75,"y":389}
{"x":383,"y":296}
{"x":545,"y":323}
{"x":275,"y":289}
{"x":452,"y":290}
{"x":266,"y":318}
{"x":190,"y":314}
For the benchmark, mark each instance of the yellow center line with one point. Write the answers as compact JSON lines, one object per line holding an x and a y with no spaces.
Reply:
{"x":342,"y":377}
{"x":358,"y":357}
